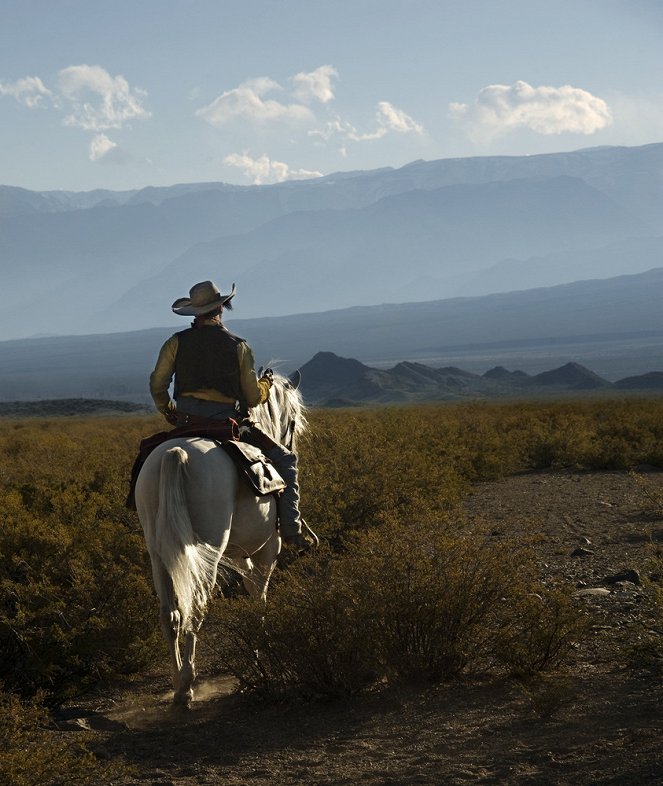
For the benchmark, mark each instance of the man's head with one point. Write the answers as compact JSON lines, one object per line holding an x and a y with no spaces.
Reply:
{"x":204,"y":298}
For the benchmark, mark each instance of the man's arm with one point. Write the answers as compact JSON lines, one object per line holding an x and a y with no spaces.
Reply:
{"x":256,"y":391}
{"x":161,"y":378}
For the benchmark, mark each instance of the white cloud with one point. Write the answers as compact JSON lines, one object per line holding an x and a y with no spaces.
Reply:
{"x":315,"y":85}
{"x":545,"y":110}
{"x":263,"y":170}
{"x":28,"y":91}
{"x":335,"y":128}
{"x":261,"y":85}
{"x":100,"y":146}
{"x":393,"y":119}
{"x":98,"y":100}
{"x":388,"y":119}
{"x":247,"y":102}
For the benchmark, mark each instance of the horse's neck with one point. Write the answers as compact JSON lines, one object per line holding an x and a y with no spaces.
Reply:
{"x":268,"y":417}
{"x":278,"y":416}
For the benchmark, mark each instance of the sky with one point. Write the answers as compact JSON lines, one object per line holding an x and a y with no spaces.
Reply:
{"x":131,"y":93}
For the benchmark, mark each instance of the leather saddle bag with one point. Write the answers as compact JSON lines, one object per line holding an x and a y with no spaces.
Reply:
{"x":255,"y":467}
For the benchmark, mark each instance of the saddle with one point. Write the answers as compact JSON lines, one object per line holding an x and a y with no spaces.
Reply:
{"x":252,"y":464}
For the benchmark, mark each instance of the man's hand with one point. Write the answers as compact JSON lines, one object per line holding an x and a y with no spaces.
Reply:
{"x":170,"y":413}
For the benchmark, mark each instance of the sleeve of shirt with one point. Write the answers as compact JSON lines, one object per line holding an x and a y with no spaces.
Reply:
{"x":162,"y":375}
{"x":256,"y":391}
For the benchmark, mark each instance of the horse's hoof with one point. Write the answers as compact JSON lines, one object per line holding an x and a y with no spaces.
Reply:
{"x":183,"y":700}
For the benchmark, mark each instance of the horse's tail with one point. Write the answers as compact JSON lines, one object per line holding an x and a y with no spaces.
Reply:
{"x":191,"y":565}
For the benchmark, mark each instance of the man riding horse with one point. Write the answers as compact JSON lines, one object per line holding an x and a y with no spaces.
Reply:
{"x":215,"y":379}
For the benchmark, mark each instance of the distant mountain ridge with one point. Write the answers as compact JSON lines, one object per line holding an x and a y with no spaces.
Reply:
{"x":329,"y":380}
{"x":403,"y":247}
{"x":114,"y":261}
{"x":530,"y":331}
{"x":630,"y":174}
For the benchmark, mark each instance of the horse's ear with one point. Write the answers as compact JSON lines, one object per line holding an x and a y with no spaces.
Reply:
{"x":295,"y":379}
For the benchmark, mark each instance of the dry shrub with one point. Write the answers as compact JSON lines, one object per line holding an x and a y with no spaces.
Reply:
{"x":76,"y":600}
{"x":601,"y":434}
{"x":309,"y":640}
{"x":356,"y":469}
{"x":538,"y":632}
{"x":75,"y":596}
{"x":33,"y":753}
{"x":76,"y":603}
{"x":415,"y":602}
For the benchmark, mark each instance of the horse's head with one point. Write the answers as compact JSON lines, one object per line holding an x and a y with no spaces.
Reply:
{"x":283,"y":415}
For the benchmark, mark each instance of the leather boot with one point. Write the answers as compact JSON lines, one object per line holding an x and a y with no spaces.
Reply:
{"x":294,"y":530}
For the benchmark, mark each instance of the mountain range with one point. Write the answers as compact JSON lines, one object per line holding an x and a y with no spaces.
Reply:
{"x":615,"y":326}
{"x":103,"y":262}
{"x":329,"y":380}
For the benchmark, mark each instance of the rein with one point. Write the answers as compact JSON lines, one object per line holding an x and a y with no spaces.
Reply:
{"x":290,"y":434}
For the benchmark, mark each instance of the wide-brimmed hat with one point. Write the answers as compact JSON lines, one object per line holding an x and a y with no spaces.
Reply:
{"x":203,"y":297}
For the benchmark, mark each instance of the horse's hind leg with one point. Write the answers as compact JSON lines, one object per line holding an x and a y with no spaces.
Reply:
{"x":183,"y":663}
{"x":170,"y":625}
{"x":170,"y":620}
{"x":184,"y":694}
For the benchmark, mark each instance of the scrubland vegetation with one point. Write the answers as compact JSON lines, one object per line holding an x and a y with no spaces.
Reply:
{"x":403,"y":590}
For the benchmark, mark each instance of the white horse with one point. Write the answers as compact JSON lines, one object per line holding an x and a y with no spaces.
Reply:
{"x":197,"y":512}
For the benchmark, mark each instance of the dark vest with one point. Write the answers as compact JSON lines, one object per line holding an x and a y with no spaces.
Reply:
{"x":206,"y":359}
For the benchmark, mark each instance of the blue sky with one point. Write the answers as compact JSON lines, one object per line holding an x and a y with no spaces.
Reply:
{"x":122,"y":95}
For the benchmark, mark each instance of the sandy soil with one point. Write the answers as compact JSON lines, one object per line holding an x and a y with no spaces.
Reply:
{"x":597,"y":722}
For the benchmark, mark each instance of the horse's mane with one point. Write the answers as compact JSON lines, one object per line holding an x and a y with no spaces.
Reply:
{"x":285,"y":406}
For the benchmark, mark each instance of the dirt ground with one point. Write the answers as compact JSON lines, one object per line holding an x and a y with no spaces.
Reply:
{"x":599,"y":721}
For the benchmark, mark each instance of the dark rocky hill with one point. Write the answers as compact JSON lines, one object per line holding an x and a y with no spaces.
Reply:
{"x":650,"y":381}
{"x":571,"y":376}
{"x":331,"y":380}
{"x":501,"y":374}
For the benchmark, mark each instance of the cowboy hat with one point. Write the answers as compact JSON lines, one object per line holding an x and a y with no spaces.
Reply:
{"x":203,"y":297}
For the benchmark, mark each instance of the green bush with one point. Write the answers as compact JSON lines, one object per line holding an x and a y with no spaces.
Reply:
{"x":405,"y":602}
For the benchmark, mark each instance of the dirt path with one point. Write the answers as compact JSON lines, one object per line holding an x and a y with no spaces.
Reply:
{"x":599,"y":722}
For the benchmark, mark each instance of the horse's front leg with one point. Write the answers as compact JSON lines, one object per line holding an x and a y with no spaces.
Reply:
{"x":262,"y":564}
